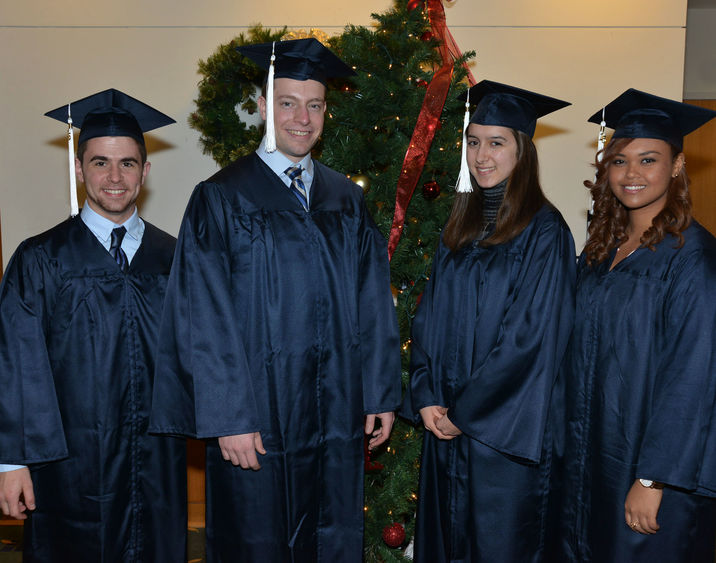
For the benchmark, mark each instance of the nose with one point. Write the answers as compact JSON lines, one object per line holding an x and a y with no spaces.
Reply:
{"x":115,"y":175}
{"x":631,"y":170}
{"x":301,"y":115}
{"x":481,"y":153}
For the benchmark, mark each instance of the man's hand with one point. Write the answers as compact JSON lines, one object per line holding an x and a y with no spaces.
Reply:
{"x":379,"y":435}
{"x":16,"y":493}
{"x":641,"y":507}
{"x":240,"y":449}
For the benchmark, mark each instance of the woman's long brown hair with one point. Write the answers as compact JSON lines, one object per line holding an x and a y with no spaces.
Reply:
{"x":523,"y":198}
{"x":610,"y":218}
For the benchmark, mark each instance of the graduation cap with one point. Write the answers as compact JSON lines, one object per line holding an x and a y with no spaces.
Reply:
{"x":299,"y":59}
{"x":505,"y":106}
{"x":636,"y":114}
{"x":109,"y":113}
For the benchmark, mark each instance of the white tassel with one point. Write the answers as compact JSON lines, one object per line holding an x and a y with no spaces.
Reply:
{"x":270,"y":127}
{"x":601,"y":141}
{"x":74,"y":207}
{"x":408,"y":553}
{"x":464,"y":185}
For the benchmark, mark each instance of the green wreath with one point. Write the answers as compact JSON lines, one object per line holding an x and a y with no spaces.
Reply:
{"x":229,"y":85}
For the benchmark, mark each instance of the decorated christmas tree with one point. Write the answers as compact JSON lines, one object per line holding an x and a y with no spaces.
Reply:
{"x":394,"y":128}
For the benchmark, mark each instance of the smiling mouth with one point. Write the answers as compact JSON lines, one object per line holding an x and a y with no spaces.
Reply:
{"x":118,"y":191}
{"x":634,"y":189}
{"x":485,"y":170}
{"x":298,"y":133}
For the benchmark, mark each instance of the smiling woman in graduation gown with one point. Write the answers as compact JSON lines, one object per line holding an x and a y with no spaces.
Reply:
{"x":488,"y":339}
{"x":77,"y":338}
{"x":641,"y":369}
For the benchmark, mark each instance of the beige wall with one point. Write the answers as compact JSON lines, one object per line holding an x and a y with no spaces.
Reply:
{"x":52,"y":53}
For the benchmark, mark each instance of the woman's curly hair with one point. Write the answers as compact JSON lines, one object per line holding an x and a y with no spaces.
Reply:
{"x":607,"y":229}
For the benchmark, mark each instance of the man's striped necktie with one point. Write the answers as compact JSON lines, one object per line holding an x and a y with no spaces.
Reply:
{"x":297,"y":186}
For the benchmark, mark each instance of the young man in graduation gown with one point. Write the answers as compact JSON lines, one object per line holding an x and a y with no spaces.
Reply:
{"x":79,"y":314}
{"x":279,"y":335}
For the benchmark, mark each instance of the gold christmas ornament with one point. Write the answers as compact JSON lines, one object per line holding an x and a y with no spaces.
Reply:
{"x":314,"y":32}
{"x":362,"y":180}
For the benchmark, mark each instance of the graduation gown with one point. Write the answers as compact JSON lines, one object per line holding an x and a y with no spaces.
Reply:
{"x":279,"y":320}
{"x":488,"y":338}
{"x":77,"y":339}
{"x":641,"y":390}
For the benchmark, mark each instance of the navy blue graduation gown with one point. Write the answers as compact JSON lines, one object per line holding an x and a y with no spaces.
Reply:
{"x":641,"y":392}
{"x":77,"y":340}
{"x":281,"y":321}
{"x":488,"y":339}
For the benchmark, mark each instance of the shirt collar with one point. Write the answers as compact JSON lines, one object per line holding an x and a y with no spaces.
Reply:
{"x":279,"y":162}
{"x":102,"y":227}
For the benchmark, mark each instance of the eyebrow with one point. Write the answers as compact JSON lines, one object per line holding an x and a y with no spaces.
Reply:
{"x":104,"y":158}
{"x":500,"y":137}
{"x":295,"y":98}
{"x":641,"y":153}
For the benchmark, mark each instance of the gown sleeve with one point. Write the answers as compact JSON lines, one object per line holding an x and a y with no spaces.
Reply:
{"x":505,"y":401}
{"x":424,"y":391}
{"x":679,"y":443}
{"x":31,"y":428}
{"x":202,"y":384}
{"x":380,"y":343}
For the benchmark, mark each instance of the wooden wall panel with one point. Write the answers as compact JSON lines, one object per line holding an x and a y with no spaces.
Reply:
{"x":195,"y":481}
{"x":700,"y":151}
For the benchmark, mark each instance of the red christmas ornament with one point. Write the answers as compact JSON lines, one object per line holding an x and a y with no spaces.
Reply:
{"x":394,"y":534}
{"x":412,"y":4}
{"x":427,"y":36}
{"x":421,"y":83}
{"x":368,"y":463}
{"x":431,"y":190}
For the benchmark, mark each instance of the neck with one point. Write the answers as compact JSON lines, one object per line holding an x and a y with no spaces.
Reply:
{"x":640,"y":221}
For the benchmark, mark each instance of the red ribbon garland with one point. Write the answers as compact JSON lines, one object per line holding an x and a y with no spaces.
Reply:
{"x":426,"y":125}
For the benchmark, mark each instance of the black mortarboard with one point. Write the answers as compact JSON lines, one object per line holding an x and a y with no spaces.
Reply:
{"x":507,"y":106}
{"x":111,"y":113}
{"x":636,"y":114}
{"x":300,"y":59}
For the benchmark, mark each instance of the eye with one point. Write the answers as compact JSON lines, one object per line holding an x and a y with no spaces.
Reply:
{"x":617,"y":162}
{"x":286,"y":104}
{"x":128,"y":164}
{"x":472,"y":142}
{"x":648,"y":160}
{"x":316,"y":107}
{"x":495,"y":144}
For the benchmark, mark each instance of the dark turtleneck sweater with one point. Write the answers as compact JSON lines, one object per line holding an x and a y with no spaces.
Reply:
{"x":491,"y":201}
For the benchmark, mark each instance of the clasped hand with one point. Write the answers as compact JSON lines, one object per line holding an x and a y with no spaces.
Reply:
{"x":436,"y":420}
